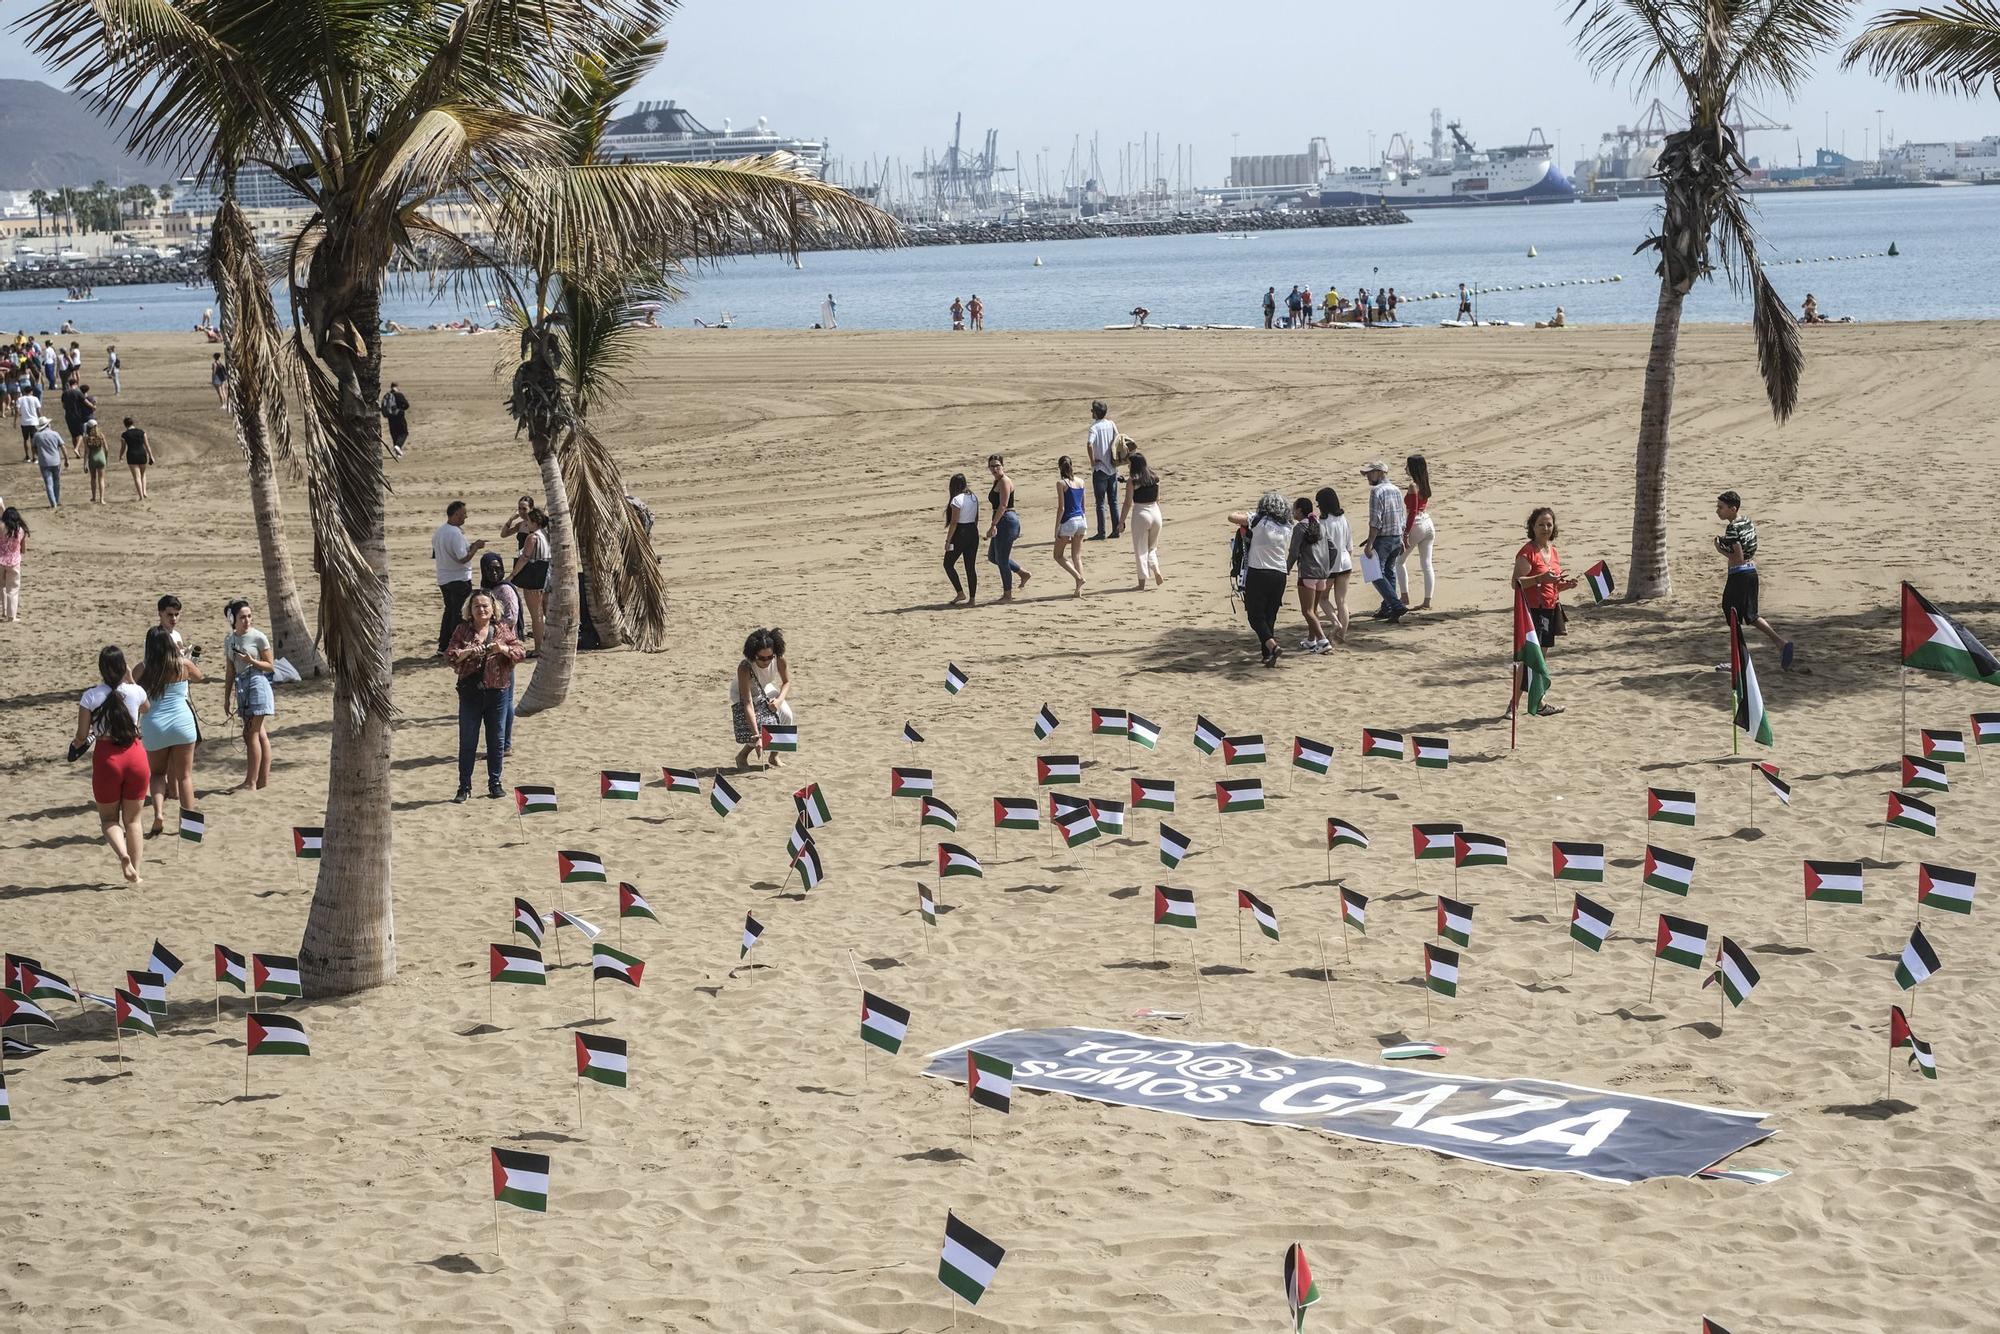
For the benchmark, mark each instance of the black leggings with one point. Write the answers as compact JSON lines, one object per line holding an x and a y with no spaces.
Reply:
{"x":1263,"y":599}
{"x":964,"y":547}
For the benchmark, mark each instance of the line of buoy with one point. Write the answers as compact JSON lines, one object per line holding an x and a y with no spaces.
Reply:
{"x":1549,"y":285}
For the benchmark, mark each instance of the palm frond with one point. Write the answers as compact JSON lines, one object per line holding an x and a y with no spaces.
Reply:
{"x":1951,"y":48}
{"x":1775,"y":45}
{"x":254,"y":345}
{"x":1643,"y":38}
{"x":602,"y":337}
{"x":1781,"y":356}
{"x":611,"y":542}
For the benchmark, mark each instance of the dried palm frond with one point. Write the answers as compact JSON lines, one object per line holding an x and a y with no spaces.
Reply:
{"x":1949,"y":48}
{"x":254,"y":346}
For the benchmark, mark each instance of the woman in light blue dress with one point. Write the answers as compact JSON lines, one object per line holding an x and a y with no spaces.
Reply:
{"x":168,"y":728}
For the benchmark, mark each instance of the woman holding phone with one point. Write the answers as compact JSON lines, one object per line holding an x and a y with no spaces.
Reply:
{"x":483,"y":653}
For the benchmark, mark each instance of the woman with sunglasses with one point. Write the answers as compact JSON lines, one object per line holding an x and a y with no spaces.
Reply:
{"x":757,"y":693}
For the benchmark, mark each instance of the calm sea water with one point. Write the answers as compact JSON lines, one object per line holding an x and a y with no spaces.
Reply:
{"x":1944,"y":272}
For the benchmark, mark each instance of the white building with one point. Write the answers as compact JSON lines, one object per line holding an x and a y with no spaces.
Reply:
{"x":1966,"y":160}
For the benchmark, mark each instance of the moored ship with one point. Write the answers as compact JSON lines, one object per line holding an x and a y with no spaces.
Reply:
{"x":1514,"y":174}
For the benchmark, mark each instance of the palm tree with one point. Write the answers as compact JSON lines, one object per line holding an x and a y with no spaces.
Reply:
{"x":1953,"y":48}
{"x":1710,"y":52}
{"x":40,"y":199}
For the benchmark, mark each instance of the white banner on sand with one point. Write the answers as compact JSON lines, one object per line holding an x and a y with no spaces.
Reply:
{"x":1532,"y":1124}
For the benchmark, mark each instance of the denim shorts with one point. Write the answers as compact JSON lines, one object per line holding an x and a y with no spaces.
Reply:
{"x":253,"y":695}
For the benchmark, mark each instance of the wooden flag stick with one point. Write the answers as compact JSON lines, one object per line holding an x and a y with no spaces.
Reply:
{"x":1889,"y":1080}
{"x":496,"y":1228}
{"x":246,"y":1068}
{"x":593,"y":993}
{"x":1325,"y":973}
{"x":119,"y":1038}
{"x":489,"y":1001}
{"x":1652,"y":976}
{"x":1200,"y":1014}
{"x":1721,"y":1000}
{"x":579,"y":1101}
{"x":1809,"y":920}
{"x":1346,"y":952}
{"x":1427,"y":1002}
{"x":1239,"y":937}
{"x":1572,"y":958}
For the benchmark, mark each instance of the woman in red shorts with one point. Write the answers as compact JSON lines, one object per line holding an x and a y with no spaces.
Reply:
{"x":108,"y":715}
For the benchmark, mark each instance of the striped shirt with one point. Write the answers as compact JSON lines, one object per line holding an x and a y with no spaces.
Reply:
{"x":1740,"y":531}
{"x":1385,"y":510}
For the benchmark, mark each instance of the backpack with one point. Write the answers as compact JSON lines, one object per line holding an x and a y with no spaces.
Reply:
{"x":1239,"y":552}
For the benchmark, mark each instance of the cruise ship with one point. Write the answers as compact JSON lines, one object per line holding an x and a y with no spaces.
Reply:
{"x":666,"y":132}
{"x":1516,"y":174}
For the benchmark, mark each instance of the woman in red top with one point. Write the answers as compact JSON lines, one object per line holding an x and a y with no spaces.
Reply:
{"x":1418,"y":533}
{"x":483,"y":653}
{"x":1538,"y":573}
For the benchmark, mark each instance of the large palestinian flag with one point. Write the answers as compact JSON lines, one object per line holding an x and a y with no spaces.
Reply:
{"x":1579,"y":861}
{"x":1935,"y":642}
{"x":1751,"y":719}
{"x":521,"y":1179}
{"x":969,"y":1260}
{"x":1528,"y":653}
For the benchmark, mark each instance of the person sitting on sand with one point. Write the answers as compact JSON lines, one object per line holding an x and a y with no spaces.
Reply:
{"x":757,"y":693}
{"x":1811,"y":315}
{"x":1557,"y":321}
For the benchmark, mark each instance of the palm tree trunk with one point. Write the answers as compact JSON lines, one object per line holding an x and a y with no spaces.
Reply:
{"x":1648,"y":575}
{"x":603,"y":606}
{"x":550,"y":685}
{"x":291,"y":634}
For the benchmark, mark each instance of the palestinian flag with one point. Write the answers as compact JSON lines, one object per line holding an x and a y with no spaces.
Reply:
{"x":128,"y":1011}
{"x":1375,"y":741}
{"x":588,"y":930}
{"x":1907,"y":812}
{"x":1142,"y":732}
{"x":1943,"y":887}
{"x":1479,"y":850}
{"x":1921,"y":1058}
{"x":275,"y":975}
{"x":631,"y":903}
{"x":1247,"y":749}
{"x":1899,"y":1028}
{"x":601,"y":1059}
{"x":1528,"y":652}
{"x":1681,"y":941}
{"x":1454,"y":921}
{"x":276,"y":1035}
{"x":752,"y":929}
{"x":1670,"y":871}
{"x":1925,"y":774}
{"x":1441,"y":970}
{"x":1077,"y":824}
{"x":1733,"y":966}
{"x":231,"y":970}
{"x":618,"y":784}
{"x":779,"y":736}
{"x":17,"y":1011}
{"x":1667,"y":806}
{"x":1108,"y":722}
{"x":1433,"y":752}
{"x":1589,"y":923}
{"x":1833,"y":882}
{"x":722,"y":797}
{"x":1339,"y":831}
{"x":193,"y":825}
{"x":1779,"y":787}
{"x":1173,"y":847}
{"x":521,"y":1179}
{"x":1016,"y":813}
{"x":937,"y":814}
{"x":1435,"y":842}
{"x":926,"y":905}
{"x":1579,"y":861}
{"x":954,"y":679}
{"x":969,"y":1260}
{"x":1109,"y":814}
{"x":1308,"y":754}
{"x":1986,"y":729}
{"x":811,"y":869}
{"x":914,"y":784}
{"x":6,"y":1107}
{"x":527,"y":922}
{"x":954,"y":860}
{"x":811,"y":804}
{"x":1919,"y":961}
{"x":575,"y":867}
{"x":163,"y":961}
{"x":1935,"y":642}
{"x":678,"y":780}
{"x":1173,"y":907}
{"x":1751,"y":720}
{"x":149,"y":987}
{"x":1354,"y":909}
{"x":1054,"y":770}
{"x":1943,"y":746}
{"x":912,"y":735}
{"x":989,"y":1081}
{"x":514,"y":963}
{"x":1601,"y":583}
{"x":1045,"y":724}
{"x":612,"y":965}
{"x":16,"y":970}
{"x":1239,"y":794}
{"x":1207,"y":736}
{"x":306,"y":842}
{"x":1062,"y":803}
{"x":1300,"y":1290}
{"x":1267,"y":920}
{"x":532,"y":797}
{"x":1711,"y":1327}
{"x":1152,"y":794}
{"x":883,"y":1024}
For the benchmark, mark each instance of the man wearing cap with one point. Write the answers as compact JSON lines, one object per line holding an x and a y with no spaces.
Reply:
{"x":1102,"y":444}
{"x":48,"y":447}
{"x":1385,"y":536}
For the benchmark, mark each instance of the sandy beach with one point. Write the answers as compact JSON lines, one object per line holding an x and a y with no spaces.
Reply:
{"x":748,"y":1179}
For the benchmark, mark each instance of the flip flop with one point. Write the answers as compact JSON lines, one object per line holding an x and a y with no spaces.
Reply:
{"x":1785,"y":658}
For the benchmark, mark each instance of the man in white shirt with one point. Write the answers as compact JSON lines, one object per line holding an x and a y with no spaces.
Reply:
{"x":1103,"y":439}
{"x":454,"y":555}
{"x":31,"y":412}
{"x":1385,"y":537}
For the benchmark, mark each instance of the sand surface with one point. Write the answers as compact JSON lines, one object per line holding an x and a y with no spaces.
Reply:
{"x":746,"y":1180}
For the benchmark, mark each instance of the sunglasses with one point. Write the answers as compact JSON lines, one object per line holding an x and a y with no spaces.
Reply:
{"x":766,"y":657}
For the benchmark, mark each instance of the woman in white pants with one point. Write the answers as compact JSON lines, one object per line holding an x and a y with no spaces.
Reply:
{"x":1418,"y":532}
{"x":1142,"y":520}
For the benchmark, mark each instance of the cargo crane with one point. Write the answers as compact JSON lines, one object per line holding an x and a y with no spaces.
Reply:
{"x":958,"y":177}
{"x":1659,"y":121}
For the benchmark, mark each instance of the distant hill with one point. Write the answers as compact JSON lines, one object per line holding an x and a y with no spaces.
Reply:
{"x":49,"y":139}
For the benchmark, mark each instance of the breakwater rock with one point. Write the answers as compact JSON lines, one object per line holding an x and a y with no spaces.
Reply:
{"x":988,"y":233}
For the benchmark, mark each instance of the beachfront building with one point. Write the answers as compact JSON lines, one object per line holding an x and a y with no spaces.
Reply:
{"x":1965,"y":160}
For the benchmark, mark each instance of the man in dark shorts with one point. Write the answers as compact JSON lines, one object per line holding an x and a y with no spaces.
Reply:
{"x":396,"y":411}
{"x":1738,"y":546}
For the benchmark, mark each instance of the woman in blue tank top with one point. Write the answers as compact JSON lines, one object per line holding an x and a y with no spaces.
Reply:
{"x":1069,"y":522}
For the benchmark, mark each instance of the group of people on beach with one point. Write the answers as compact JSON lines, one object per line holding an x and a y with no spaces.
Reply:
{"x":968,"y":314}
{"x":141,"y":731}
{"x":1334,"y":308}
{"x":28,"y":371}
